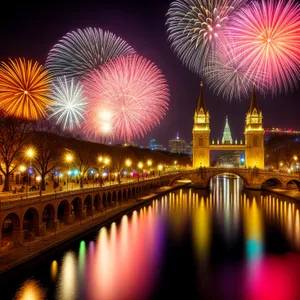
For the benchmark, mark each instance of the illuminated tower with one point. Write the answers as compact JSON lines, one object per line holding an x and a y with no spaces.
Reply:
{"x":201,"y":134}
{"x":254,"y":136}
{"x":227,"y":139}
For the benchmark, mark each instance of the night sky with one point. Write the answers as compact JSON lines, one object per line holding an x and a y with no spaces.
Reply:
{"x":30,"y":31}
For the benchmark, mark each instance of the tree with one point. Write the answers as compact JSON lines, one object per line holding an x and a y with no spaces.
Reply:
{"x":14,"y":134}
{"x":48,"y":148}
{"x":118,"y":165}
{"x":84,"y":159}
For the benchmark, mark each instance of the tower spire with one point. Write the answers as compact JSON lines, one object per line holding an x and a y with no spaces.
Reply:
{"x":254,"y":103}
{"x":227,"y":139}
{"x":201,"y":102}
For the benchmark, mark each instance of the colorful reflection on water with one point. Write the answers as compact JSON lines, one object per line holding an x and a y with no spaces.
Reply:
{"x":225,"y":243}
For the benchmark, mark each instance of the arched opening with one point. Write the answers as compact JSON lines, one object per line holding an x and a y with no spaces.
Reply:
{"x":31,"y":224}
{"x":114,"y":198}
{"x":88,"y":205}
{"x":104,"y":201}
{"x":200,"y":142}
{"x":255,"y":142}
{"x":293,"y":184}
{"x":76,"y":208}
{"x":226,"y":180}
{"x":129,"y":193}
{"x":97,"y":202}
{"x":124,"y":195}
{"x":63,"y":212}
{"x":180,"y":180}
{"x":109,"y":199}
{"x":133,"y":192}
{"x":272,"y":183}
{"x":48,"y":217}
{"x":10,"y":230}
{"x":119,"y":196}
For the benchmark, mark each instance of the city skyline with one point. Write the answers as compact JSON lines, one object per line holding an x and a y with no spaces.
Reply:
{"x":122,"y":19}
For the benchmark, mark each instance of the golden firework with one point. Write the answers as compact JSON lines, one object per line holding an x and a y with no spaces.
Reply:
{"x":24,"y":89}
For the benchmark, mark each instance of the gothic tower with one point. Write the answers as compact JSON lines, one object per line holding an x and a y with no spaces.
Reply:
{"x":254,"y":136}
{"x":201,"y":134}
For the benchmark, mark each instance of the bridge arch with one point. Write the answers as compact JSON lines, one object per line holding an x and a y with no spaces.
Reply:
{"x":124,"y":195}
{"x":97,"y":202}
{"x":129,"y":193}
{"x":272,"y":181}
{"x":48,"y":217}
{"x":88,"y":204}
{"x":77,"y":207}
{"x":294,"y":181}
{"x":63,"y":211}
{"x":222,"y":172}
{"x":104,"y":201}
{"x":10,"y":229}
{"x":119,"y":196}
{"x":31,"y":222}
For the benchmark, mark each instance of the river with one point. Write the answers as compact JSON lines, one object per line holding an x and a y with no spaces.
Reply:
{"x":222,"y":243}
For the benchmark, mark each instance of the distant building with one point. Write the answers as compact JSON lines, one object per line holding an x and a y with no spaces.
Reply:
{"x":231,"y":159}
{"x":179,"y":146}
{"x":154,"y":146}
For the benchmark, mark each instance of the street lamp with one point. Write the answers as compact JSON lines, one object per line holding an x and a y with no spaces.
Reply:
{"x":29,"y":154}
{"x":22,"y":169}
{"x":107,"y":161}
{"x":69,"y":159}
{"x":140,"y":166}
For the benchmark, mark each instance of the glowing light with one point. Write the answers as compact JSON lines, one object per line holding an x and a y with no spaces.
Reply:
{"x":22,"y":168}
{"x":133,"y":95}
{"x":30,"y":290}
{"x":128,"y":162}
{"x":53,"y":270}
{"x":82,"y":51}
{"x":268,"y":35}
{"x":69,"y":104}
{"x":140,"y":165}
{"x":194,"y":27}
{"x":24,"y":89}
{"x":38,"y":178}
{"x":149,"y":162}
{"x":160,"y":167}
{"x":69,"y":158}
{"x":30,"y":153}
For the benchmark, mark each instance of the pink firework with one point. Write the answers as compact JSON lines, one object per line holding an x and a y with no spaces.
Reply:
{"x":268,"y":35}
{"x":127,"y":97}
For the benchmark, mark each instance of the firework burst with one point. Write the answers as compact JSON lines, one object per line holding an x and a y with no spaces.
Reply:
{"x":268,"y":35}
{"x":127,"y":97}
{"x":82,"y":51}
{"x":24,"y":89}
{"x":194,"y":27}
{"x":230,"y":75}
{"x":69,"y":104}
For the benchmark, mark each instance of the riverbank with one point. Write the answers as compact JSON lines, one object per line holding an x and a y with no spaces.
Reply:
{"x":28,"y":252}
{"x":292,"y":194}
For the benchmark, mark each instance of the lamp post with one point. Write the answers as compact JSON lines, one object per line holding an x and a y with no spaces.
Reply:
{"x":128,"y":163}
{"x":69,"y":159}
{"x":160,"y":167}
{"x":22,"y":169}
{"x":149,"y":164}
{"x":107,"y":161}
{"x":140,"y":166}
{"x":29,"y":154}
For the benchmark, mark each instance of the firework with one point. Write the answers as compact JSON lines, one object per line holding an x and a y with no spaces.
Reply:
{"x":194,"y":27}
{"x":24,"y":89}
{"x":127,"y":97}
{"x":268,"y":35}
{"x":82,"y":51}
{"x":69,"y":104}
{"x":229,"y":74}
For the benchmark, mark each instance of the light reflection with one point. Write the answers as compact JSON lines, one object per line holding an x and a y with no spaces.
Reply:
{"x":53,"y":270}
{"x":31,"y":290}
{"x":67,"y":289}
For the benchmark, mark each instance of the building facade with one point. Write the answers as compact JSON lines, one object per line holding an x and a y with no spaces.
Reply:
{"x":179,"y":146}
{"x":253,"y":146}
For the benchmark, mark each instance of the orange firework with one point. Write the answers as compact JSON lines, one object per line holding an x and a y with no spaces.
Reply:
{"x":24,"y":89}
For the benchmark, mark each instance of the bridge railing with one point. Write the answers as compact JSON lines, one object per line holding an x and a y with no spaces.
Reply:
{"x":13,"y":201}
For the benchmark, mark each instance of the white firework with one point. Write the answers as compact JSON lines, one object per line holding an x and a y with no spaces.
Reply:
{"x":195,"y":26}
{"x":229,"y":73}
{"x":69,"y":104}
{"x":82,"y":51}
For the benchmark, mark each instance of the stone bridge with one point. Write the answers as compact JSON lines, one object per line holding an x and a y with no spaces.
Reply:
{"x":252,"y":178}
{"x":21,"y":219}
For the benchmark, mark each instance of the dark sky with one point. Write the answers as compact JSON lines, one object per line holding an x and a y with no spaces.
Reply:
{"x":30,"y":31}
